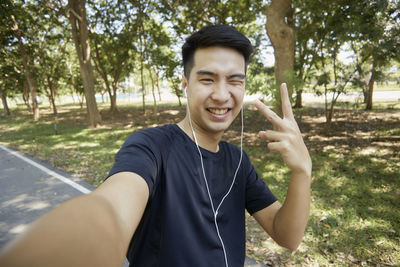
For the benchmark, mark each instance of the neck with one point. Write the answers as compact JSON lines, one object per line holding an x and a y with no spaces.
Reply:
{"x":205,"y":140}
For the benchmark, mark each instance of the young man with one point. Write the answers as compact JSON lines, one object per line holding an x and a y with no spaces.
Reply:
{"x":176,"y":194}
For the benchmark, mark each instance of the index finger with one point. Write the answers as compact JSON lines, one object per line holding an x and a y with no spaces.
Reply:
{"x":268,"y":113}
{"x":286,"y":105}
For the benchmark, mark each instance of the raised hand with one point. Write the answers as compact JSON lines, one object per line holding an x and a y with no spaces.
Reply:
{"x":287,"y":139}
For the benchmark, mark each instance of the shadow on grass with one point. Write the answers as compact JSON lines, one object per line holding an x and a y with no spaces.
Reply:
{"x":355,"y":216}
{"x":357,"y":207}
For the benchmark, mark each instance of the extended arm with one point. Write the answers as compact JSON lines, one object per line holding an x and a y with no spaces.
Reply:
{"x":286,"y":223}
{"x":90,"y":230}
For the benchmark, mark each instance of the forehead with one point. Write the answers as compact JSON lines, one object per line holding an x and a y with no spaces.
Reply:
{"x":219,"y":59}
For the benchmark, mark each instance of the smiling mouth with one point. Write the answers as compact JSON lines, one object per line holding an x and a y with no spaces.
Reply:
{"x":218,"y":111}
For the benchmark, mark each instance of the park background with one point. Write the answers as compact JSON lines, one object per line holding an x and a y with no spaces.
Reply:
{"x":78,"y":77}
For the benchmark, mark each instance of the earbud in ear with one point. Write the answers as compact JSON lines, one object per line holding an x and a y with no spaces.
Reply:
{"x":184,"y":91}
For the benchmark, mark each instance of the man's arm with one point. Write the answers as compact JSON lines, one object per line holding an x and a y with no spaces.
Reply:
{"x":90,"y":230}
{"x":286,"y":223}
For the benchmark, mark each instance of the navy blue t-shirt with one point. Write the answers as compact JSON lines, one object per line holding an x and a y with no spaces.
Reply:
{"x":177,"y":228}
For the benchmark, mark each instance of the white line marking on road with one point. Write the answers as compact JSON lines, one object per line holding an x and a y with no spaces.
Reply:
{"x":48,"y":171}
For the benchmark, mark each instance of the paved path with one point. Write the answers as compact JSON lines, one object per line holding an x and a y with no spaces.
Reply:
{"x":29,"y":188}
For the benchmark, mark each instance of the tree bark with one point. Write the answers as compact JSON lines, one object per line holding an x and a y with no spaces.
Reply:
{"x":78,"y":20}
{"x":141,"y":74}
{"x":152,"y":89}
{"x":158,"y":85}
{"x":27,"y":67}
{"x":370,"y":92}
{"x":282,"y":38}
{"x":4,"y":101}
{"x":299,"y":99}
{"x":52,"y":94}
{"x":25,"y":96}
{"x":113,"y":100}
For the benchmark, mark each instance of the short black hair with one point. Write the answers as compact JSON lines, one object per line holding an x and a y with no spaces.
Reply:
{"x":215,"y":35}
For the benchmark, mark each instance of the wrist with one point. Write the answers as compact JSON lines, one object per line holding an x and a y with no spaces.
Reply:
{"x":303,"y":172}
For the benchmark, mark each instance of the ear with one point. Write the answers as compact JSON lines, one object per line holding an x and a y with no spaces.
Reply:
{"x":184,"y":84}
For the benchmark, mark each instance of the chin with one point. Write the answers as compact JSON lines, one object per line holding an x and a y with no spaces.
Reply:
{"x":218,"y":127}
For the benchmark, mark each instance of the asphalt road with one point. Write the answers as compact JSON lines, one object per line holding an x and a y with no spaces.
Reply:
{"x":29,"y":188}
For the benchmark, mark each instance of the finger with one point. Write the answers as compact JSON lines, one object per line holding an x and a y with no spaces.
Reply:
{"x":275,"y":146}
{"x":281,"y":147}
{"x":268,"y":113}
{"x":272,"y":136}
{"x":286,"y":105}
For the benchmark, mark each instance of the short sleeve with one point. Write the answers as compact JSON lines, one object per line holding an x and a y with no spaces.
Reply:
{"x":258,"y":195}
{"x":139,"y":154}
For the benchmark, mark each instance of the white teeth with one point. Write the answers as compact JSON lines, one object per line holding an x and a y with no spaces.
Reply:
{"x":218,"y":111}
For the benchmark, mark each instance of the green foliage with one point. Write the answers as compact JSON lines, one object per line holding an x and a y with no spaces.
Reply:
{"x":259,"y":79}
{"x":123,"y":31}
{"x":113,"y":35}
{"x":11,"y":73}
{"x":325,"y":28}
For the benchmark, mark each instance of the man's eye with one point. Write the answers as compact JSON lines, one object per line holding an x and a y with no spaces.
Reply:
{"x":206,"y":80}
{"x":236,"y":82}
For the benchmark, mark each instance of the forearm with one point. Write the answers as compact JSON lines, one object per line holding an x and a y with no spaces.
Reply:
{"x":291,"y":219}
{"x":80,"y":232}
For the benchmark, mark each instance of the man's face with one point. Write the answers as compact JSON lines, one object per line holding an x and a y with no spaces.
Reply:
{"x":215,"y":89}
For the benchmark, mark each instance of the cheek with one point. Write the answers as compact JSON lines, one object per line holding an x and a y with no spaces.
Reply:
{"x":239,"y":94}
{"x":200,"y":93}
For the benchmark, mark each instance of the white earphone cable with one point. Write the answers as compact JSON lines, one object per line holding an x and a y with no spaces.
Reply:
{"x":215,"y":211}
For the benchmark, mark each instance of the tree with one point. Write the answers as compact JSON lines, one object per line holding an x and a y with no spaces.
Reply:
{"x":113,"y":36}
{"x":378,"y":31}
{"x":3,"y":97}
{"x":51,"y":50}
{"x":27,"y":64}
{"x":157,"y":52}
{"x":5,"y":53}
{"x":80,"y":35}
{"x":53,"y":73}
{"x":310,"y":34}
{"x":12,"y":79}
{"x":280,"y":31}
{"x":152,"y":47}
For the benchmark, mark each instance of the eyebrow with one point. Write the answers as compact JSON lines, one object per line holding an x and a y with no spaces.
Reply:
{"x":235,"y":75}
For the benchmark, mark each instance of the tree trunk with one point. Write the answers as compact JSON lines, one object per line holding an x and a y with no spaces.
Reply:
{"x":112,"y":93}
{"x":25,"y":96}
{"x":28,"y":73}
{"x":113,"y":100}
{"x":52,"y":95}
{"x":78,"y":20}
{"x":4,"y":101}
{"x":370,"y":88}
{"x":81,"y":98}
{"x":152,"y":90}
{"x":299,"y":99}
{"x":158,"y":85}
{"x":141,"y":75}
{"x":282,"y":38}
{"x":177,"y":93}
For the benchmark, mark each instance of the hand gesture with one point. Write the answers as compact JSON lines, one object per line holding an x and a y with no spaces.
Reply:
{"x":286,"y":139}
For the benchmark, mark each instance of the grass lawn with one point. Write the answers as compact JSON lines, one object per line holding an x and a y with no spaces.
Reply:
{"x":355,"y":210}
{"x":387,"y":86}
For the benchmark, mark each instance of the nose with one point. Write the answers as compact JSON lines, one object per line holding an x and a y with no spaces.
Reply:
{"x":221,"y":92}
